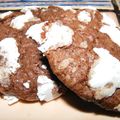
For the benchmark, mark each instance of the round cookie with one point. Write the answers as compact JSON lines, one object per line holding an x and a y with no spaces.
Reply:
{"x":86,"y":59}
{"x":24,"y":71}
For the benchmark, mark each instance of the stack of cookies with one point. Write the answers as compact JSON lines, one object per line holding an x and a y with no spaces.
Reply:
{"x":42,"y":47}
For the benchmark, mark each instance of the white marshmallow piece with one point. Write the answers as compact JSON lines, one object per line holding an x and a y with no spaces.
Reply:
{"x":35,"y":31}
{"x":19,"y":21}
{"x":84,"y":16}
{"x":104,"y":76}
{"x":9,"y":61}
{"x":56,"y":35}
{"x":46,"y":89}
{"x":8,"y":48}
{"x":5,"y":14}
{"x":10,"y":99}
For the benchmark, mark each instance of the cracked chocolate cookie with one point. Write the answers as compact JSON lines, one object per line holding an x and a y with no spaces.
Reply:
{"x":83,"y":50}
{"x":24,"y":71}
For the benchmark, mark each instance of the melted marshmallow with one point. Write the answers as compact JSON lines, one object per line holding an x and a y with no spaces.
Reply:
{"x":43,"y":66}
{"x":57,"y":35}
{"x":19,"y":21}
{"x":5,"y":14}
{"x":113,"y":32}
{"x":84,"y":16}
{"x":10,"y":99}
{"x":9,"y":59}
{"x":46,"y":88}
{"x":104,"y":76}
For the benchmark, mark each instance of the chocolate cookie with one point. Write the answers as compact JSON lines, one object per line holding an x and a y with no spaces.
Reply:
{"x":83,"y":52}
{"x":24,"y":71}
